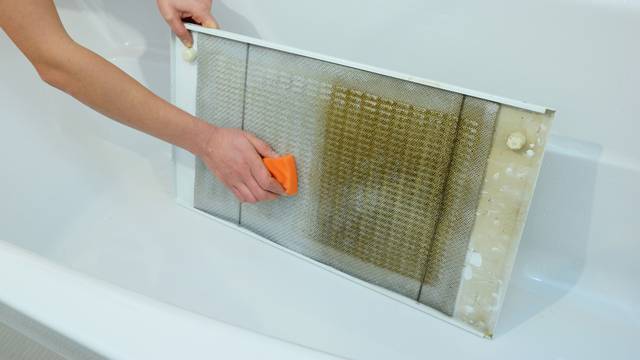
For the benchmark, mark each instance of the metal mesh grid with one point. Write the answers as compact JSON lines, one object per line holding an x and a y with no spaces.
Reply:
{"x":449,"y":245}
{"x":383,"y":172}
{"x":374,"y":156}
{"x":289,"y":102}
{"x":219,"y":101}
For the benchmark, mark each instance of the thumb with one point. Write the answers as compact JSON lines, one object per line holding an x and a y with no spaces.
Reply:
{"x":211,"y":23}
{"x":206,"y":19}
{"x":262,"y":147}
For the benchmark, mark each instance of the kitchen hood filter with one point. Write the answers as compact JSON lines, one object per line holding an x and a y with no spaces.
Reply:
{"x":390,"y":171}
{"x":393,"y":174}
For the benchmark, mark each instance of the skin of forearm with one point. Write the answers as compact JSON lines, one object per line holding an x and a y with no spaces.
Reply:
{"x":232,"y":155}
{"x":74,"y":68}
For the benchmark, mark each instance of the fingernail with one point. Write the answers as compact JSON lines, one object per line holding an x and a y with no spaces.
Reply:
{"x":209,"y":24}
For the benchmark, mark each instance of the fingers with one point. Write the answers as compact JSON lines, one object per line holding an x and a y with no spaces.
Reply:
{"x":258,"y":192}
{"x":211,"y":23}
{"x":245,"y":187}
{"x":173,"y":17}
{"x":173,"y":12}
{"x":176,"y":24}
{"x":237,"y":164}
{"x":205,"y":19}
{"x":258,"y":170}
{"x":264,"y":178}
{"x":242,"y":192}
{"x":201,"y":12}
{"x":262,"y":147}
{"x":251,"y":192}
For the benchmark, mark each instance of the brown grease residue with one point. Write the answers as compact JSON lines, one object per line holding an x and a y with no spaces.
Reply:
{"x":384,"y":167}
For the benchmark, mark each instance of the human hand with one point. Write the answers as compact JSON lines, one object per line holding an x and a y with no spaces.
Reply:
{"x":174,"y":11}
{"x":233,"y":156}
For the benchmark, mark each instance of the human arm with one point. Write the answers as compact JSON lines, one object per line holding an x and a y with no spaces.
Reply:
{"x":231,"y":154}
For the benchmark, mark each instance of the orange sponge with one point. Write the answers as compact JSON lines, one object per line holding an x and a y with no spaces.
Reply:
{"x":283,"y":168}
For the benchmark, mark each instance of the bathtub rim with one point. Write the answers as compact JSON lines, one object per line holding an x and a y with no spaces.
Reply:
{"x":64,"y":297}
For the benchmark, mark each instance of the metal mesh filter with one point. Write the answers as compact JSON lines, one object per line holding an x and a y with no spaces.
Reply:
{"x":383,"y":171}
{"x":219,"y":101}
{"x":389,"y":170}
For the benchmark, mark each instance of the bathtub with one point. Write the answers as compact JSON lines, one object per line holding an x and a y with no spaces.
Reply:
{"x":98,"y":260}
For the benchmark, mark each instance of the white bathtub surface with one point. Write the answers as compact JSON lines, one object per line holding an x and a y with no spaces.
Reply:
{"x":122,"y":325}
{"x":97,"y":198}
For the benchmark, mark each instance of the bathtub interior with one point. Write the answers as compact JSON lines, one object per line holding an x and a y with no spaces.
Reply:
{"x":98,"y":197}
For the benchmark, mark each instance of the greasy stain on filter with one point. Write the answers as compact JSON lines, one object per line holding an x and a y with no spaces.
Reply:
{"x":383,"y":171}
